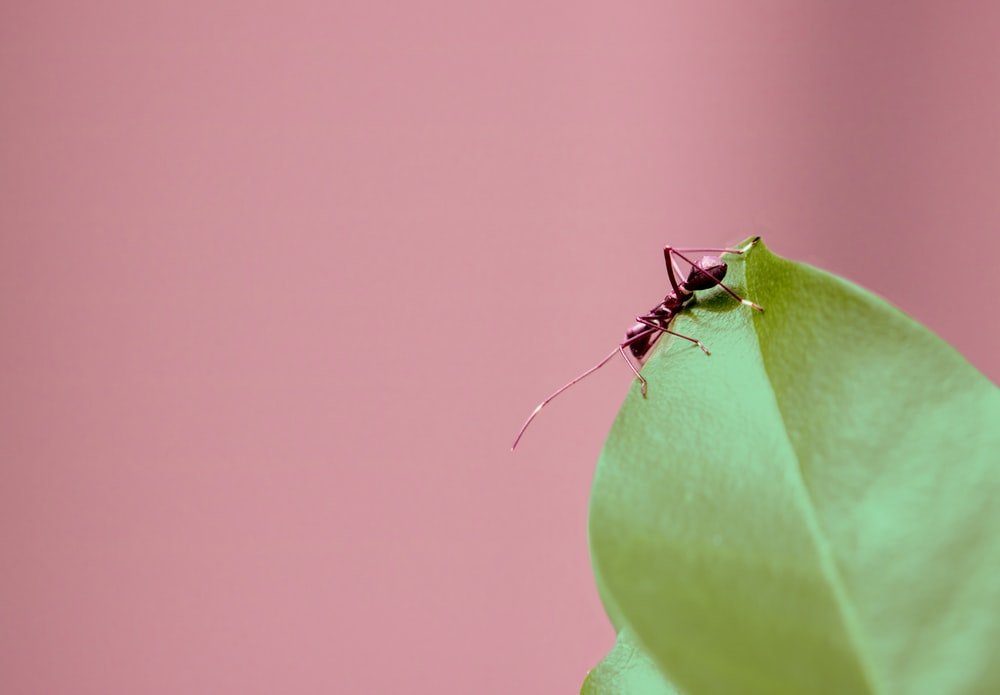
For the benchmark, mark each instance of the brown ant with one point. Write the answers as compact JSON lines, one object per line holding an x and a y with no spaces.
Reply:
{"x":707,"y":272}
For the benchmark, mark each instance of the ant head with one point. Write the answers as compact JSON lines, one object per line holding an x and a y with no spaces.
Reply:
{"x":706,"y":273}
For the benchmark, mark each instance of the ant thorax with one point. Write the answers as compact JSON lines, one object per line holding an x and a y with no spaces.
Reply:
{"x":673,"y":301}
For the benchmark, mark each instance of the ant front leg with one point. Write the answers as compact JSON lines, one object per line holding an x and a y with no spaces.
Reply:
{"x":697,"y":342}
{"x":738,"y":252}
{"x":672,"y":268}
{"x":670,"y":251}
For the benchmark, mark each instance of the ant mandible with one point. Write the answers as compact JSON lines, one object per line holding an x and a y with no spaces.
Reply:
{"x":707,"y":272}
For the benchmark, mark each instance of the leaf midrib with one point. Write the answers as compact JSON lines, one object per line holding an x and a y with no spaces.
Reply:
{"x":828,"y":563}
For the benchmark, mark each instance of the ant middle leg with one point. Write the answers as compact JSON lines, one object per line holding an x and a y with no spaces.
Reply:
{"x":688,"y":338}
{"x":669,"y":251}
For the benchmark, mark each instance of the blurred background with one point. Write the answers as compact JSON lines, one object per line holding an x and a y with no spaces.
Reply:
{"x":279,"y":282}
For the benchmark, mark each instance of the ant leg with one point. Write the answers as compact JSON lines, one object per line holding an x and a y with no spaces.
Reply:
{"x":669,"y":250}
{"x":644,"y":385}
{"x":607,"y":358}
{"x":672,"y":267}
{"x":562,"y":388}
{"x":677,"y":268}
{"x":679,"y":335}
{"x":743,"y":250}
{"x":727,"y":250}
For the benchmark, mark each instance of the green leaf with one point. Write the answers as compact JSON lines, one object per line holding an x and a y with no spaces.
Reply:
{"x":815,"y":508}
{"x":626,"y":670}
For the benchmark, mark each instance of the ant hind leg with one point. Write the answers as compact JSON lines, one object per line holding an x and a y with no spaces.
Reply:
{"x":643,"y":384}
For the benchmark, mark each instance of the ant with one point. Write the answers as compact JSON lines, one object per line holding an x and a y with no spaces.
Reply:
{"x":707,"y":272}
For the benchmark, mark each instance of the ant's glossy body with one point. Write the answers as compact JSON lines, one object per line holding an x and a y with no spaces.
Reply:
{"x":706,"y":273}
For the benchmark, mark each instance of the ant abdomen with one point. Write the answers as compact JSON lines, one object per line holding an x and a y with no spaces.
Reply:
{"x":640,"y":346}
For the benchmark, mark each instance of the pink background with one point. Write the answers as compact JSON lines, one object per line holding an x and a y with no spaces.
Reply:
{"x":278,"y":283}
